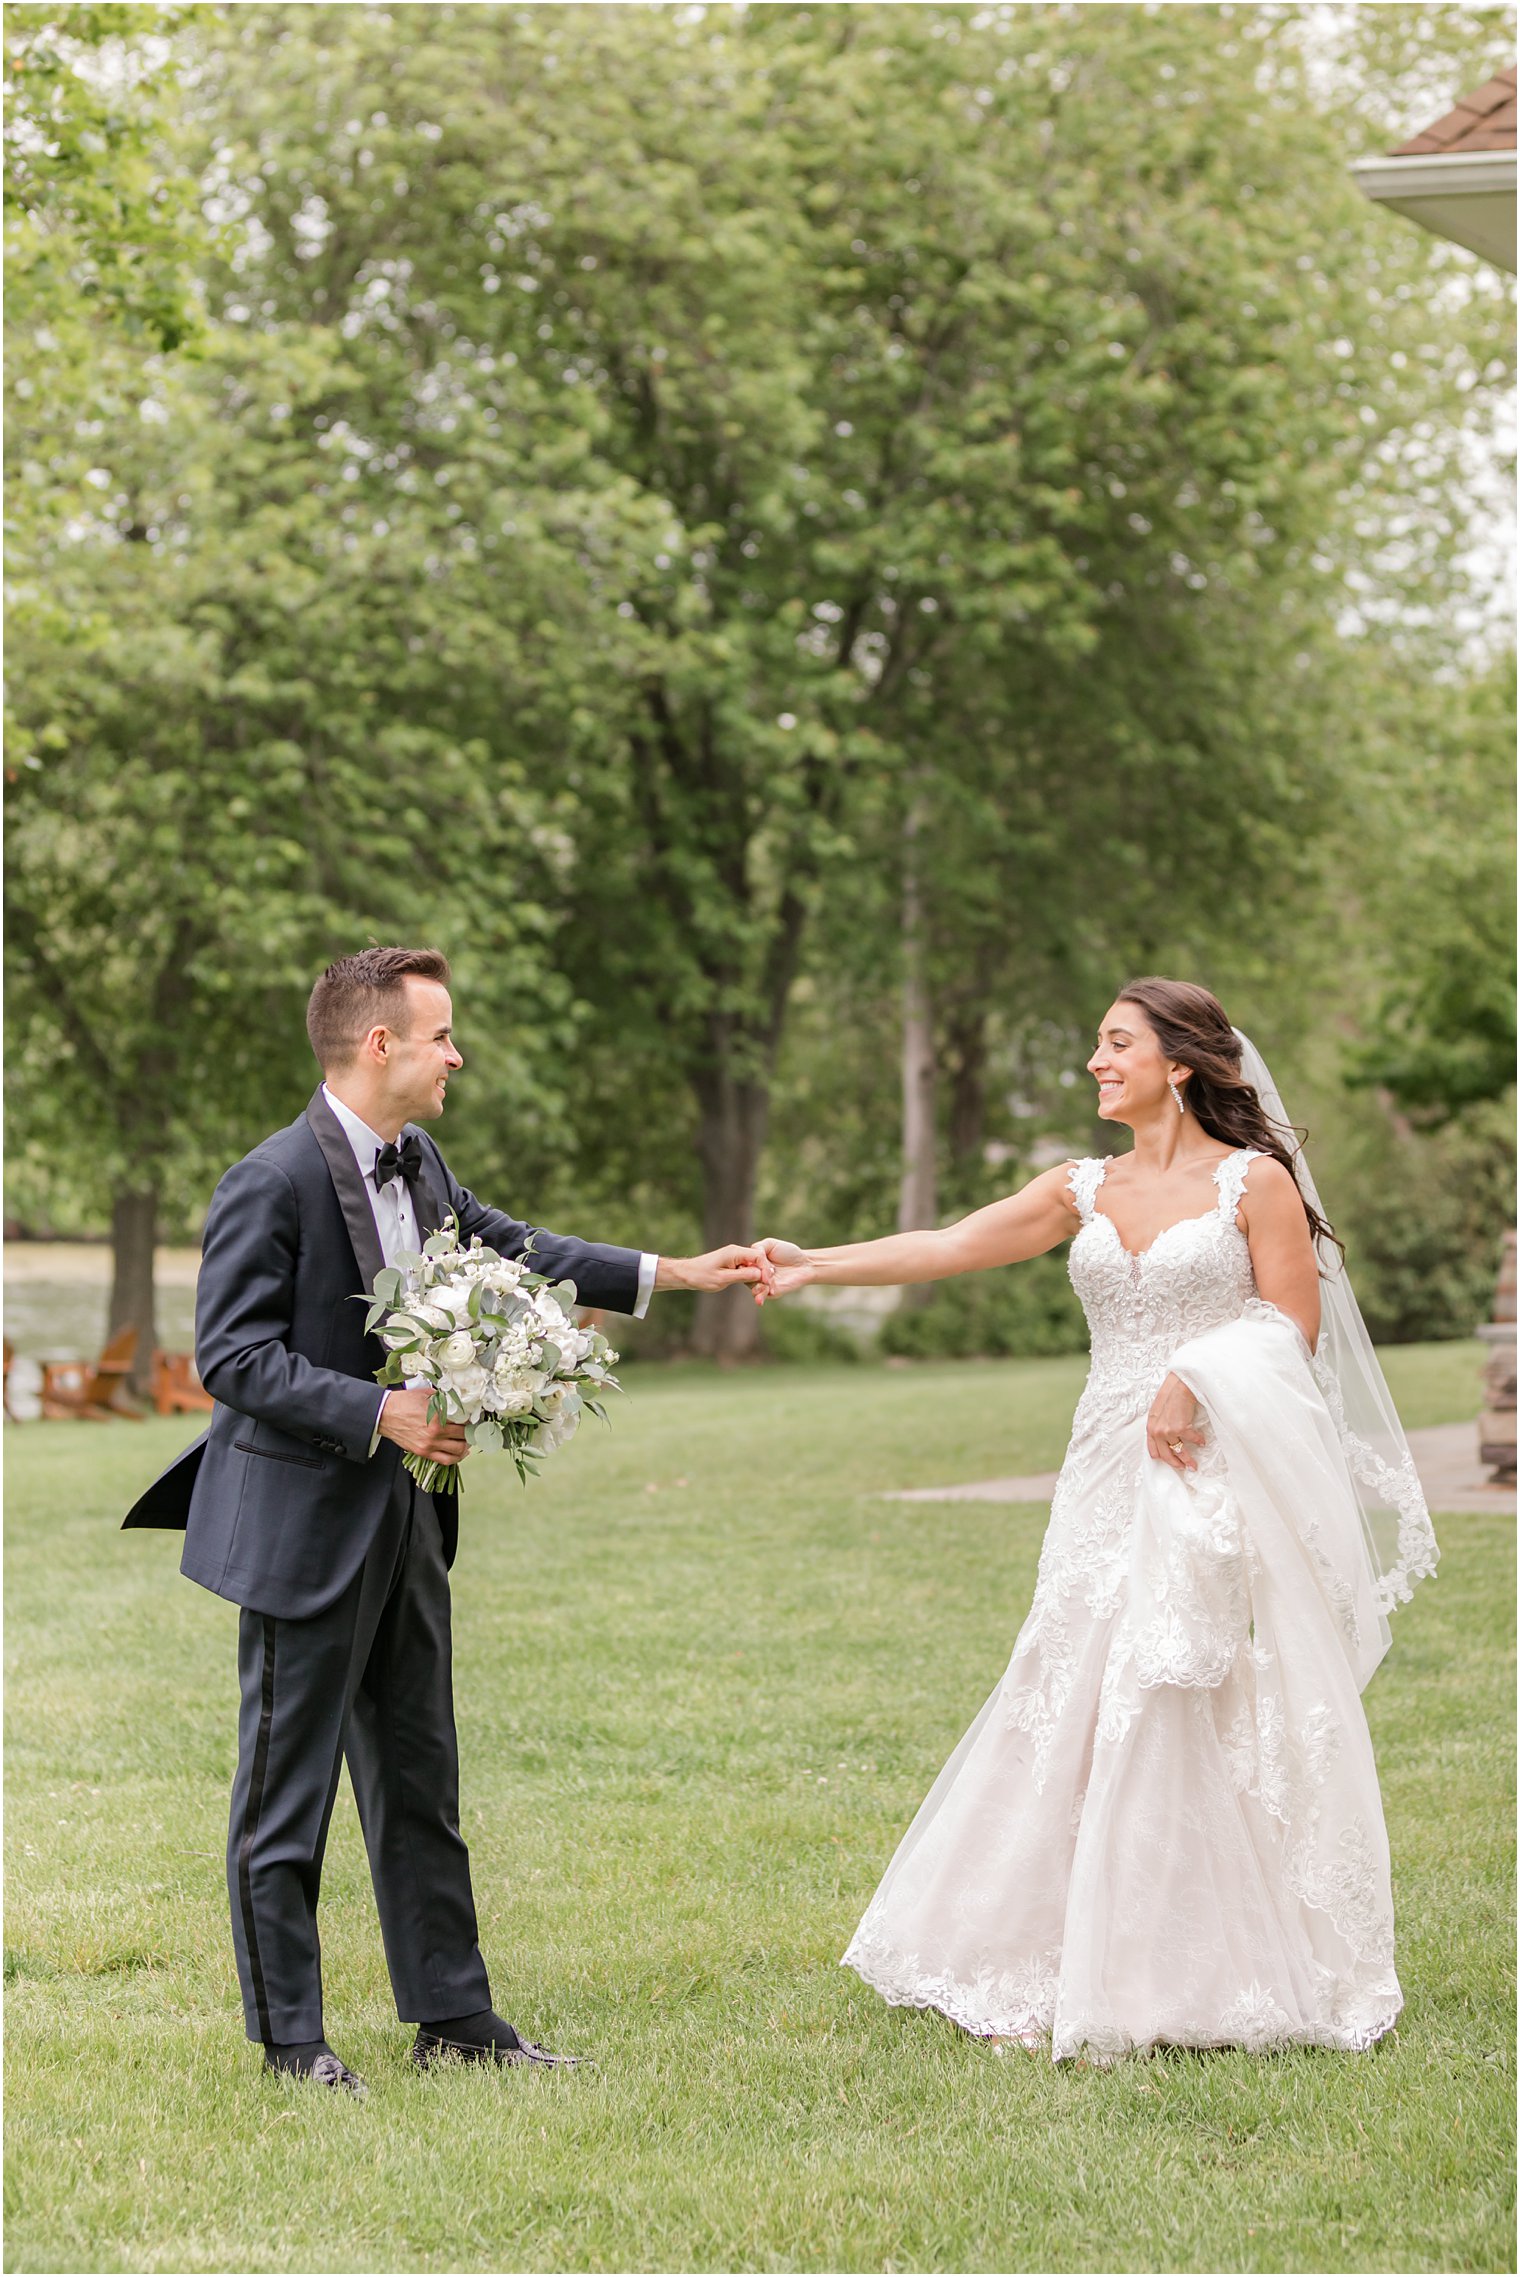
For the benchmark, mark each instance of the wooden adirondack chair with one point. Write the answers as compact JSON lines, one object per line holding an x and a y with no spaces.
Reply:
{"x":10,"y":1354}
{"x":75,"y":1392}
{"x":177,"y":1389}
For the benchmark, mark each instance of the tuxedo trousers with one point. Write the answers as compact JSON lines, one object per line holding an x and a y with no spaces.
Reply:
{"x":371,"y":1678}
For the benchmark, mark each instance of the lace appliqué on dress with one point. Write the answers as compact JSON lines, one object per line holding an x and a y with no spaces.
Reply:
{"x":1152,"y":1751}
{"x":1399,"y":1489}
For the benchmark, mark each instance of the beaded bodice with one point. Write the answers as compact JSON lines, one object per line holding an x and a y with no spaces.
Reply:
{"x":1141,"y":1307}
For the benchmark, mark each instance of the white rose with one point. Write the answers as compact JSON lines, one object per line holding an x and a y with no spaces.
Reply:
{"x":468,"y":1384}
{"x":457,"y":1352}
{"x":455,"y":1302}
{"x":549,"y":1436}
{"x":514,"y":1399}
{"x":433,"y":1315}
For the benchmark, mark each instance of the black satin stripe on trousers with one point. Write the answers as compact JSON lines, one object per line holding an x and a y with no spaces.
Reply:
{"x":369,"y":1678}
{"x":250,"y":1828}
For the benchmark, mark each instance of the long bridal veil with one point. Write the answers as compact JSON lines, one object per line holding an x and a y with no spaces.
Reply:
{"x":1400,"y":1541}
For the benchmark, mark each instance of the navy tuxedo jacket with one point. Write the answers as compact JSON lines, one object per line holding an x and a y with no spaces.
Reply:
{"x":280,"y":1498}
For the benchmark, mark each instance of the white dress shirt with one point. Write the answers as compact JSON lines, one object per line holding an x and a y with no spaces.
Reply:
{"x":396,"y":1217}
{"x":391,"y":1205}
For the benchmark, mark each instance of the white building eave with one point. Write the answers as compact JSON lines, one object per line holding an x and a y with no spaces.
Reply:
{"x":1466,"y":195}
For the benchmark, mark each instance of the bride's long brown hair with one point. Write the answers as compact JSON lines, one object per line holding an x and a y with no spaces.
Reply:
{"x":1191,"y":1026}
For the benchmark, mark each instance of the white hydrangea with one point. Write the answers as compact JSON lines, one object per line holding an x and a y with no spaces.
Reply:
{"x":510,"y":1371}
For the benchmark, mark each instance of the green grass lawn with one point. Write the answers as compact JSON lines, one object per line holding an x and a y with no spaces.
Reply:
{"x":704,"y":1678}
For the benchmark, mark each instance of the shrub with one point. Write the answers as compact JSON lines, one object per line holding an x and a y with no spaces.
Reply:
{"x":791,"y":1332}
{"x":787,"y":1332}
{"x":1422,"y":1220}
{"x":1020,"y":1312}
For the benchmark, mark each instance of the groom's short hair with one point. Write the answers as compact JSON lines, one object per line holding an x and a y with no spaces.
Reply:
{"x":363,"y":991}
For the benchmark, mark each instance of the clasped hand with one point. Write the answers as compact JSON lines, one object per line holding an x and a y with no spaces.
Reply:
{"x":1172,"y":1428}
{"x":783,"y":1268}
{"x":736,"y":1265}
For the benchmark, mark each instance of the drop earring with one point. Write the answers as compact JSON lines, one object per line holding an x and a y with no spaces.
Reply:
{"x":1176,"y":1096}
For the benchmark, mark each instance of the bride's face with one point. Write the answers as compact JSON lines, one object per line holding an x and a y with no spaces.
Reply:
{"x":1130,"y":1066}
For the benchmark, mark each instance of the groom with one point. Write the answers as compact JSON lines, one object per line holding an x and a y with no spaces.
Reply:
{"x":296,"y":1506}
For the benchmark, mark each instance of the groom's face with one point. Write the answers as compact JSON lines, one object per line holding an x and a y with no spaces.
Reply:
{"x":420,"y":1055}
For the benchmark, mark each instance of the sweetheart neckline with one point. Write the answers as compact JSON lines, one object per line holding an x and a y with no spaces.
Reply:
{"x":1138,"y":1256}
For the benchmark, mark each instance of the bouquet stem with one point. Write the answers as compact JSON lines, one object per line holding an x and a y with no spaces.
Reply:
{"x":433,"y":1477}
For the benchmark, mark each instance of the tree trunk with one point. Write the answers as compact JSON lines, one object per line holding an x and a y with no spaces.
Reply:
{"x":134,"y":1236}
{"x":918,"y":1199}
{"x":730,"y":1139}
{"x":968,"y":1091}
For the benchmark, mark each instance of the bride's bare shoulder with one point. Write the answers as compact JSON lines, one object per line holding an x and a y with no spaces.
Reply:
{"x":1059,"y":1184}
{"x":1269,"y":1183}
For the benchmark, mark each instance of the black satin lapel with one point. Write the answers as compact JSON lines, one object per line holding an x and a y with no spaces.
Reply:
{"x":425,"y":1197}
{"x":357,"y":1214}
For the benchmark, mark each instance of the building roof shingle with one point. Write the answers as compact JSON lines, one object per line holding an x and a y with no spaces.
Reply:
{"x":1483,"y":120}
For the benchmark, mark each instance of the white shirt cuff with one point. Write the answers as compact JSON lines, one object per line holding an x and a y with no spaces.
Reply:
{"x":379,"y":1411}
{"x":648,"y":1267}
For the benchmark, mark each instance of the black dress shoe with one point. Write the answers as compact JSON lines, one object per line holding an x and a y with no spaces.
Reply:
{"x":482,"y":2039}
{"x":313,"y":2060}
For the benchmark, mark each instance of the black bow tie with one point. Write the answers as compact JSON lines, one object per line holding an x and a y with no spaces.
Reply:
{"x":405,"y":1159}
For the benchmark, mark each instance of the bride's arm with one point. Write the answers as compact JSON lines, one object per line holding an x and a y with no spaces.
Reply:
{"x":1282,"y":1250}
{"x":1287,"y":1275}
{"x":1024,"y":1224}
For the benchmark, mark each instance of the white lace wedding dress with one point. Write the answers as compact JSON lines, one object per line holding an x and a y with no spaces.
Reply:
{"x":1165,"y":1825}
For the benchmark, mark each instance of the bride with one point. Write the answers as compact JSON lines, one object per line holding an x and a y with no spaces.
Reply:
{"x":1164,"y":1827}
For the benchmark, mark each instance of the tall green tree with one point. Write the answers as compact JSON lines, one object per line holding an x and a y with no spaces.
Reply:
{"x":239,"y":746}
{"x":101,"y":234}
{"x":1216,"y":724}
{"x":101,"y":221}
{"x":1439,"y":886}
{"x":829,"y":374}
{"x":641,"y":459}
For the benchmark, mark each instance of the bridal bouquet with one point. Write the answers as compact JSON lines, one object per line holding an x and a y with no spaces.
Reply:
{"x":497,"y":1343}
